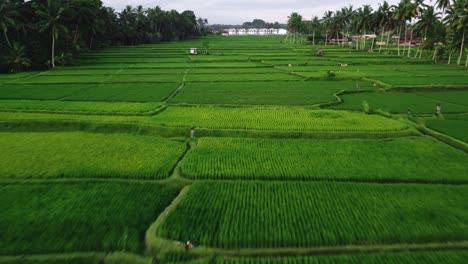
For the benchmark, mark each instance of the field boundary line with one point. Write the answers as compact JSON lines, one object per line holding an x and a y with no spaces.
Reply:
{"x":154,"y":244}
{"x":181,"y":86}
{"x":446,"y":139}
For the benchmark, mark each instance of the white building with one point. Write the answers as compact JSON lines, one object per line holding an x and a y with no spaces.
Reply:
{"x":263,"y":31}
{"x":282,"y":31}
{"x":232,"y":31}
{"x":253,"y":31}
{"x":241,"y":31}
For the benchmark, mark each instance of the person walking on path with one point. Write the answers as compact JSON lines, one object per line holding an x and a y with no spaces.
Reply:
{"x":437,"y":110}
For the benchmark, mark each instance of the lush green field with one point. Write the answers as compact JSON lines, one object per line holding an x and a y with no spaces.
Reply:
{"x":425,"y":257}
{"x":85,"y":155}
{"x":275,"y":118}
{"x":79,"y":107}
{"x":265,"y":93}
{"x":456,"y":128}
{"x":90,"y":92}
{"x":400,"y":103}
{"x":397,"y":160}
{"x":40,"y":218}
{"x":261,"y":215}
{"x":93,"y":153}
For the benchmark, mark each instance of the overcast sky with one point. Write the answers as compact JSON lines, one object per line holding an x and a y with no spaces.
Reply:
{"x":239,"y":11}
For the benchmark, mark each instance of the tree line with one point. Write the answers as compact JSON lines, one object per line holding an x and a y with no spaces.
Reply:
{"x":440,"y":28}
{"x":42,"y":34}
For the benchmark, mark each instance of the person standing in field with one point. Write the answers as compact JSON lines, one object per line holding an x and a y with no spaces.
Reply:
{"x":437,"y":110}
{"x":188,"y":245}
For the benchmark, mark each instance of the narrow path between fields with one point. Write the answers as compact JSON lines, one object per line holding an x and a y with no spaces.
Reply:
{"x":182,"y":85}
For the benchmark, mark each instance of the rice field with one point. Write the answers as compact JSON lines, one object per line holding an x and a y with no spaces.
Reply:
{"x":291,"y":152}
{"x":393,"y":160}
{"x":272,"y":214}
{"x":86,"y":155}
{"x":275,"y":118}
{"x":40,"y":218}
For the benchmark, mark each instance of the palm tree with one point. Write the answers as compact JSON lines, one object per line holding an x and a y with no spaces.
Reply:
{"x":457,"y":21}
{"x":401,"y":14}
{"x":426,"y":26}
{"x":326,"y":20}
{"x":365,"y":19}
{"x":50,"y":16}
{"x":295,"y":24}
{"x":16,"y":57}
{"x":384,"y":19}
{"x":7,"y":18}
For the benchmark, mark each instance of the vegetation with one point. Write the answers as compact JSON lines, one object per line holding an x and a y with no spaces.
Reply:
{"x":39,"y":34}
{"x":400,"y":103}
{"x":43,"y":218}
{"x":397,"y":160}
{"x":275,"y":118}
{"x":332,"y":214}
{"x":84,"y":155}
{"x":454,"y":128}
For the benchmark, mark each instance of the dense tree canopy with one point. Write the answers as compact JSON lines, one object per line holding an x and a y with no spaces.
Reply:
{"x":40,"y":34}
{"x":442,"y":22}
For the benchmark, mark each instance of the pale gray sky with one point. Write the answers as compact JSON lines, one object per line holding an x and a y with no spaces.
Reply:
{"x":238,"y":11}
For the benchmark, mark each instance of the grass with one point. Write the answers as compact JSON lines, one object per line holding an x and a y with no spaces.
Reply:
{"x":147,"y":92}
{"x":397,"y":160}
{"x":274,"y":118}
{"x":400,"y":103}
{"x":42,"y":92}
{"x":425,"y":81}
{"x":79,"y":217}
{"x":79,"y":107}
{"x":454,"y":128}
{"x":264,"y":93}
{"x":85,"y":155}
{"x":241,"y":77}
{"x":424,"y":257}
{"x":276,"y":215}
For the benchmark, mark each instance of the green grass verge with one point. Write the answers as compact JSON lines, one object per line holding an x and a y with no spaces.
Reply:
{"x":79,"y":217}
{"x":85,"y":155}
{"x":396,"y":160}
{"x":276,"y":215}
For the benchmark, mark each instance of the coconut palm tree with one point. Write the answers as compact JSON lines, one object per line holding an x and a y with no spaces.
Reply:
{"x":294,"y":24}
{"x":384,"y":20}
{"x":16,"y":57}
{"x":8,"y":14}
{"x":50,"y":16}
{"x":426,"y":26}
{"x":457,"y":22}
{"x":327,"y":20}
{"x":364,"y":15}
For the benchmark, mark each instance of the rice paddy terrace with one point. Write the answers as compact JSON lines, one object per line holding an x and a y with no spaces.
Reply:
{"x":295,"y":158}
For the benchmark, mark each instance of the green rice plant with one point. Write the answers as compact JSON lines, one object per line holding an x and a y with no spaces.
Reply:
{"x":86,"y":155}
{"x":274,"y":118}
{"x":39,"y":79}
{"x":394,"y":160}
{"x":142,"y":92}
{"x":454,"y":128}
{"x":39,"y":218}
{"x":421,"y":257}
{"x":153,"y":78}
{"x":241,"y":77}
{"x":41,"y":91}
{"x":78,"y":107}
{"x":397,"y":102}
{"x":300,"y":214}
{"x":422,"y":81}
{"x":261,"y":93}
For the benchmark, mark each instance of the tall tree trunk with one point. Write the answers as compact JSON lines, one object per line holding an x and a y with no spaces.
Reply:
{"x":75,"y":37}
{"x":398,"y":41}
{"x":435,"y":54}
{"x":381,"y":40}
{"x":313,"y":38}
{"x":462,"y":46}
{"x":409,"y":45}
{"x":91,"y":42}
{"x":406,"y":36}
{"x":373,"y":40}
{"x":53,"y":47}
{"x":337,"y":37}
{"x":450,"y":58}
{"x":466,"y":62}
{"x":388,"y":40}
{"x":326,"y":37}
{"x":6,"y":38}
